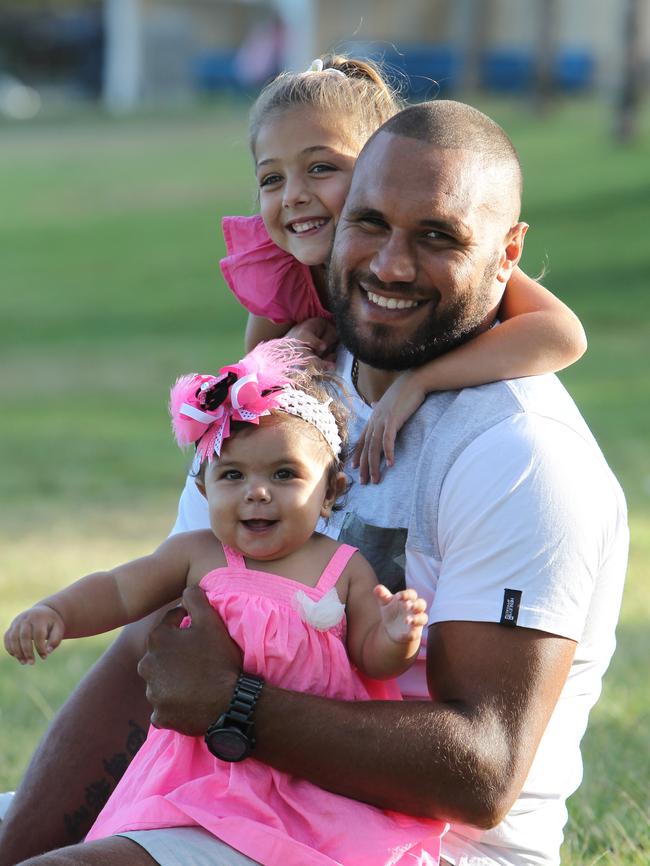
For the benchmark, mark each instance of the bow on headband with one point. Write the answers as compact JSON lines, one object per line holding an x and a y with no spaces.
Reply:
{"x":202,"y":406}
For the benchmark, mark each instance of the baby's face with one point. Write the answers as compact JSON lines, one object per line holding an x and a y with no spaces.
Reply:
{"x":303,"y":162}
{"x":269,"y":487}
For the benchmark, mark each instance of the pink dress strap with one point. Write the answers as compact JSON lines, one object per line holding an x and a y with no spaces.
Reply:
{"x":267,"y":280}
{"x":334,"y":568}
{"x":234,"y":557}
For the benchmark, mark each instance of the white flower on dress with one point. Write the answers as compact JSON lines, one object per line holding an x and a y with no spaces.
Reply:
{"x":322,"y":614}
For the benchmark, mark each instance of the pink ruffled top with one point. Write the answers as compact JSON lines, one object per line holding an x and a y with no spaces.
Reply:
{"x":266,"y":280}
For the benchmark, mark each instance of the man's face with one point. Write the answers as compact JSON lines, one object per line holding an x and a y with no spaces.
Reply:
{"x":419,"y":261}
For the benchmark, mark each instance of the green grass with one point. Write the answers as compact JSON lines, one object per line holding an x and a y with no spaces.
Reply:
{"x":110,"y":240}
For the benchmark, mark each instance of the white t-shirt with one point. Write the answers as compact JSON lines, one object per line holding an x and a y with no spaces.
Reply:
{"x":500,"y":508}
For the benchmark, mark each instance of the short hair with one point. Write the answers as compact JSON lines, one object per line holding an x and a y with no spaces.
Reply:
{"x":454,"y":125}
{"x":361,"y":97}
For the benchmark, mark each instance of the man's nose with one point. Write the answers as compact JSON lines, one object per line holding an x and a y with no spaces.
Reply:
{"x":394,"y":261}
{"x":295,"y":192}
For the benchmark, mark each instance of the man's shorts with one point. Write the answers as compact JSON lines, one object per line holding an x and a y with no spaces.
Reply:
{"x":187,"y":846}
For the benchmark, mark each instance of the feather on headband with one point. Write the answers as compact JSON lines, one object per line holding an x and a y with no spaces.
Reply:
{"x":202,"y":405}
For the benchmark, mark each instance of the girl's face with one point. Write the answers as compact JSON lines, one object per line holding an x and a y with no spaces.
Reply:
{"x":303,"y":162}
{"x":269,"y":487}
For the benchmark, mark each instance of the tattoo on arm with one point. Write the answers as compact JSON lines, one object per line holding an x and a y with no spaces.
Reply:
{"x":78,"y":822}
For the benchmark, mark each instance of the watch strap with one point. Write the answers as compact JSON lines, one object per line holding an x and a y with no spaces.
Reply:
{"x":242,"y":705}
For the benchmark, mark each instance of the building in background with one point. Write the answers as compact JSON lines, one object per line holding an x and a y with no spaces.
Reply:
{"x":134,"y":52}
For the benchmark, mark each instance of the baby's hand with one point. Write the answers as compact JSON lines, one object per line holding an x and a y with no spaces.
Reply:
{"x":401,"y":400}
{"x":40,"y":627}
{"x":403,"y":614}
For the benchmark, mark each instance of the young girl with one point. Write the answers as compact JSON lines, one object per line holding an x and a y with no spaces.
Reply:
{"x":306,"y":131}
{"x":269,"y":443}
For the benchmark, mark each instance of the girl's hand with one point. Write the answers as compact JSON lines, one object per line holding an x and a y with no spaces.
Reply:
{"x":41,"y":627}
{"x":319,"y":335}
{"x":401,"y":400}
{"x":403,"y":614}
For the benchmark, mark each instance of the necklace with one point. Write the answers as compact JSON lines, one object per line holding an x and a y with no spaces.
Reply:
{"x":354,"y":378}
{"x":354,"y":372}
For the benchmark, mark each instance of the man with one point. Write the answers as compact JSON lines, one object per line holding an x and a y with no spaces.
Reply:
{"x":500,"y":510}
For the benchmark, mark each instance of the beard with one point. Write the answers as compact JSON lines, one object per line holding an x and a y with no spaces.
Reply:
{"x":443,"y":329}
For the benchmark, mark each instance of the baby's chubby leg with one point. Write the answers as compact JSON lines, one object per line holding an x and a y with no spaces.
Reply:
{"x":113,"y":851}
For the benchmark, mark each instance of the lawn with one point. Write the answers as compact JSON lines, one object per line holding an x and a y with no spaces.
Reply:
{"x":110,"y":240}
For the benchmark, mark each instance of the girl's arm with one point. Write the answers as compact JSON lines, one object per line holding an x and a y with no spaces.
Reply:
{"x":538,"y":334}
{"x":384,"y":630}
{"x":101,"y":601}
{"x":259,"y":329}
{"x":318,"y":335}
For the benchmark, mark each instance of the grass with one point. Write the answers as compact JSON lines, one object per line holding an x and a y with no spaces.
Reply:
{"x":110,"y":240}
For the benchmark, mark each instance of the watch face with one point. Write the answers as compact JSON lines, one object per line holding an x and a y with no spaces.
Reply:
{"x":228,"y":744}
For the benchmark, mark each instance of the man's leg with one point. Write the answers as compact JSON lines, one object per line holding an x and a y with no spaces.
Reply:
{"x":105,"y":852}
{"x":82,"y":755}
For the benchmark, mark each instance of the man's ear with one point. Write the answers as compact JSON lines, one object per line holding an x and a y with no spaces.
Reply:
{"x":514,"y":247}
{"x":200,"y":487}
{"x":335,"y":490}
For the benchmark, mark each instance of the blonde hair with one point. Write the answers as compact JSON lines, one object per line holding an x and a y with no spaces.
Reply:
{"x":360,"y":95}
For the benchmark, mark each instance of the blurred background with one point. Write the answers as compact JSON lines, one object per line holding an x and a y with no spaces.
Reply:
{"x":123,"y":140}
{"x":128,"y":53}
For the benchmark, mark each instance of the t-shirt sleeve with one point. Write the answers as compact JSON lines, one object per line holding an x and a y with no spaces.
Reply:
{"x":520,"y":528}
{"x":192,"y":509}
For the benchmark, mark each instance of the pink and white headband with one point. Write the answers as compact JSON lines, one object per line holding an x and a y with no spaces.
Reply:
{"x":202,"y":405}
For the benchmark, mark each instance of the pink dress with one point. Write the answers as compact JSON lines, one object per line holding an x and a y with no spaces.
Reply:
{"x":266,"y":280}
{"x":274,"y":818}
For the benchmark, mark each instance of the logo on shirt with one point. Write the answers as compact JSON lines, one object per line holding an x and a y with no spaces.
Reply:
{"x":510,"y":610}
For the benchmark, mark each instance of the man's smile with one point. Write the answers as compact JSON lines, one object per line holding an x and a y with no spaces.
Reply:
{"x":391,"y":302}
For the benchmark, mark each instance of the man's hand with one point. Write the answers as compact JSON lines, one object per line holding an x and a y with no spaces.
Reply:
{"x":190,"y":672}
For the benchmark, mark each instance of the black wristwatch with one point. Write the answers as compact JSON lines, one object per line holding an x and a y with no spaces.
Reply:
{"x":232,"y":737}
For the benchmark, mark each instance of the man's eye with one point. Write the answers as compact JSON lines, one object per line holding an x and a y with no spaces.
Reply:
{"x":435,"y":235}
{"x":270,"y":180}
{"x":371,"y":222}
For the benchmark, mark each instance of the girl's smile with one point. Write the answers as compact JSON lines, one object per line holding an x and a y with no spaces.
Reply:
{"x":304,"y":163}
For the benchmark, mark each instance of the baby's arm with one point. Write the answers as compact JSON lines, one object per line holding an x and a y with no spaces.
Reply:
{"x":101,"y":601}
{"x":384,"y":630}
{"x":538,"y":334}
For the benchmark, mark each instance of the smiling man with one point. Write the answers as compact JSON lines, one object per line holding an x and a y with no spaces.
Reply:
{"x":500,"y":511}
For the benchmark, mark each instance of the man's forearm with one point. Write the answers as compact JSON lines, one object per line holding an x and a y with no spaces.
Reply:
{"x":80,"y":759}
{"x":418,"y":757}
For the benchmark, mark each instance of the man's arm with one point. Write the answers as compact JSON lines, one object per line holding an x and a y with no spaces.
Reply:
{"x":462,"y":756}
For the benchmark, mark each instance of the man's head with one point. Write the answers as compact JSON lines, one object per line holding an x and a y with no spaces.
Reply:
{"x":428,"y":236}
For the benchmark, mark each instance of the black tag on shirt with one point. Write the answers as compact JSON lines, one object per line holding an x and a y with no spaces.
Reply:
{"x":510,"y":610}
